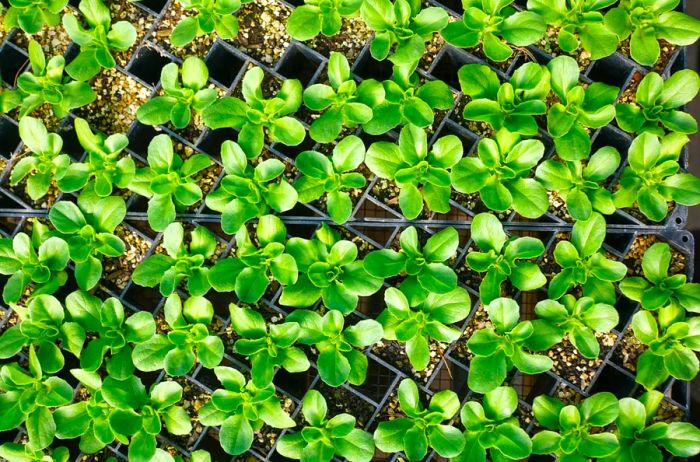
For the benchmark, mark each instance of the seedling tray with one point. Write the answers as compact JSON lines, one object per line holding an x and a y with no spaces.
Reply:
{"x":374,"y":222}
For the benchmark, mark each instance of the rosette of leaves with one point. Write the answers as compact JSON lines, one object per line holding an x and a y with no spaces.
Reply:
{"x":403,"y":26}
{"x":657,"y":289}
{"x":187,"y":341}
{"x":501,"y":258}
{"x":31,"y":16}
{"x":339,"y":359}
{"x":344,"y":103}
{"x":500,"y":173}
{"x":185,"y":92}
{"x":491,"y":426}
{"x":182,"y":262}
{"x":323,"y":437}
{"x":169,"y":183}
{"x":494,"y":26}
{"x":241,"y":408}
{"x":28,"y":396}
{"x":258,"y":115}
{"x":578,"y":110}
{"x":576,"y":432}
{"x":576,"y":319}
{"x":112,"y":332}
{"x":584,"y":264}
{"x":499,"y":348}
{"x":658,"y":105}
{"x":421,"y":174}
{"x":408,"y":101}
{"x":105,"y":166}
{"x":210,"y":16}
{"x":97,"y":41}
{"x":672,"y":346}
{"x":44,"y":163}
{"x":46,"y":84}
{"x":641,"y":438}
{"x":42,"y":325}
{"x":267,"y":346}
{"x":580,"y":23}
{"x":124,"y":411}
{"x":329,"y":270}
{"x":422,"y":427}
{"x":581,"y":186}
{"x":320,"y":16}
{"x":512,"y":105}
{"x":424,"y":265}
{"x":332,"y":177}
{"x":18,"y":452}
{"x":249,"y":272}
{"x":646,"y":22}
{"x":653,"y":177}
{"x":423,"y":317}
{"x":246,"y":192}
{"x":28,"y":261}
{"x":88,"y":229}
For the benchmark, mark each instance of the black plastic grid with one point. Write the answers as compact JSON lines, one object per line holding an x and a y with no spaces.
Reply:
{"x":373,"y":221}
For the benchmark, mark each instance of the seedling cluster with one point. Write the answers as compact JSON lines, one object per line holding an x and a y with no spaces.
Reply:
{"x":252,"y":295}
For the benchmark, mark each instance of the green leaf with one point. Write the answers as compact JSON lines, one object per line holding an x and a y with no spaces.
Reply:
{"x":236,"y":435}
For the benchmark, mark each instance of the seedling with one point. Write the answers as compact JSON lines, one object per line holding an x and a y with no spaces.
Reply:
{"x":27,"y":261}
{"x":185,"y":93}
{"x":501,"y":171}
{"x":499,"y":258}
{"x":424,"y":265}
{"x":182,"y":262}
{"x":402,"y":26}
{"x":491,"y":426}
{"x":267,"y":346}
{"x":344,"y":103}
{"x":408,"y":101}
{"x":420,"y":174}
{"x":248,"y":273}
{"x":46,"y":84}
{"x":422,"y":428}
{"x":32,"y":16}
{"x":421,"y":318}
{"x":582,"y":185}
{"x":580,"y":23}
{"x":583,"y":264}
{"x":652,"y":178}
{"x":257,"y":115}
{"x":579,"y":109}
{"x":672,"y":348}
{"x":512,"y":105}
{"x":88,"y":229}
{"x":319,"y":16}
{"x":576,"y":431}
{"x":332,"y":178}
{"x":247,"y":192}
{"x":211,"y":16}
{"x":338,"y":360}
{"x":44,"y":164}
{"x":578,"y":320}
{"x":658,"y":105}
{"x":324,"y":437}
{"x":169,"y":182}
{"x":241,"y":408}
{"x":97,"y":41}
{"x":494,"y":26}
{"x":659,"y":290}
{"x":112,"y":332}
{"x":329,"y":270}
{"x":646,"y":22}
{"x":187,"y":341}
{"x":499,"y":348}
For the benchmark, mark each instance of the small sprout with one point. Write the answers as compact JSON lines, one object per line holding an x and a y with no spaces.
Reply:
{"x":211,"y":16}
{"x":32,"y":16}
{"x":320,"y":16}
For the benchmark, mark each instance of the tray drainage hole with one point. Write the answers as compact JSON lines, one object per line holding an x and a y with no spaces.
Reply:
{"x":679,"y":221}
{"x":685,"y":239}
